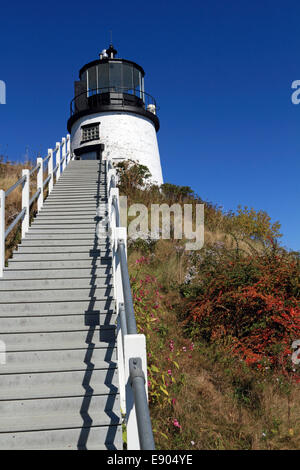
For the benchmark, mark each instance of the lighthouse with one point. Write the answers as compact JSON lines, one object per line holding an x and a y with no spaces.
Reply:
{"x":112,"y":116}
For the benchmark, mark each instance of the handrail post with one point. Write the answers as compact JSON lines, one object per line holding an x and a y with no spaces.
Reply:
{"x":120,"y":234}
{"x":2,"y":231}
{"x":50,"y":170}
{"x":68,"y":149}
{"x":122,"y":319}
{"x":57,"y":160}
{"x":137,"y":380}
{"x":134,"y":346}
{"x":25,"y":201}
{"x":114,"y":192}
{"x":40,"y":187}
{"x":111,"y":175}
{"x":64,"y":153}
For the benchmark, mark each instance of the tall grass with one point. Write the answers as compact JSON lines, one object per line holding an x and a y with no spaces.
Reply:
{"x":10,"y":173}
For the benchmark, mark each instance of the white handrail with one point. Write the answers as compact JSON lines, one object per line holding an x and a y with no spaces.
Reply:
{"x":24,"y":214}
{"x":131,"y":346}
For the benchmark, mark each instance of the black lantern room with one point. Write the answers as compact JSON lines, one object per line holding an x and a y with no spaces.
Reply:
{"x":112,"y":84}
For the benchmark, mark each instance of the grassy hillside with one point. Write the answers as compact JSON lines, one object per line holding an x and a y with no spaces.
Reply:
{"x":219,"y":324}
{"x":204,"y":394}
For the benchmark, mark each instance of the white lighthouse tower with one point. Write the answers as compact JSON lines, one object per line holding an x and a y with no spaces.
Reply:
{"x":112,"y":115}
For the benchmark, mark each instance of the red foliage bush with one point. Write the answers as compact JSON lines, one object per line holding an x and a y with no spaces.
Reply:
{"x":252,"y":304}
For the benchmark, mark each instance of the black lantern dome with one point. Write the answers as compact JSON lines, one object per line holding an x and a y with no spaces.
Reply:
{"x":112,"y":84}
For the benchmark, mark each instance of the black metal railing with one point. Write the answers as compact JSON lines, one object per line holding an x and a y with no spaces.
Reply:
{"x":112,"y":96}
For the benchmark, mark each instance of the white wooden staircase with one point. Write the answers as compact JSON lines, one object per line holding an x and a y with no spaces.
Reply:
{"x":59,"y":388}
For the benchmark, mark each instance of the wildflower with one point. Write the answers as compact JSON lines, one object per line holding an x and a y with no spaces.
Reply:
{"x":176,"y":423}
{"x":184,"y":349}
{"x":193,"y":443}
{"x":192,"y":346}
{"x":173,"y":401}
{"x":169,"y":372}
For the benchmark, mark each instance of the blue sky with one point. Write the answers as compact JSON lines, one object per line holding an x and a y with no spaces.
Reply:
{"x":221,"y":72}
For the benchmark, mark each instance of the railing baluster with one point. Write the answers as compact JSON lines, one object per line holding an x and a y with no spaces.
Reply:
{"x":68,"y":148}
{"x":50,"y":170}
{"x":2,"y":231}
{"x":25,"y":202}
{"x":64,"y":153}
{"x":40,"y":186}
{"x":57,"y":161}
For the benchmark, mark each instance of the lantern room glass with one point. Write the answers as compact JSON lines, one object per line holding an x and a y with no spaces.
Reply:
{"x":115,"y":76}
